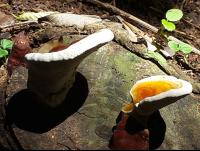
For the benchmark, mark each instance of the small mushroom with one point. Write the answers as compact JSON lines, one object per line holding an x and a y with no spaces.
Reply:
{"x":51,"y":75}
{"x":153,"y":93}
{"x":20,"y":48}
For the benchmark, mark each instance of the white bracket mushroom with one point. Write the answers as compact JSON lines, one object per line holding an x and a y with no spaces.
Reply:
{"x":153,"y":93}
{"x":51,"y":75}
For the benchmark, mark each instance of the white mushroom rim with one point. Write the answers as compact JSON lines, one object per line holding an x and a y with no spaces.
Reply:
{"x":75,"y":50}
{"x":167,"y":90}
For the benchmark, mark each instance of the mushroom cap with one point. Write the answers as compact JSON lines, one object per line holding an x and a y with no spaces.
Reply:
{"x":153,"y":93}
{"x":75,"y":50}
{"x":51,"y":75}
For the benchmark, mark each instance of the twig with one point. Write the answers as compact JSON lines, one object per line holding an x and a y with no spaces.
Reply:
{"x":182,"y":33}
{"x":192,"y":24}
{"x":135,"y":19}
{"x":132,"y":35}
{"x":113,"y":3}
{"x":187,"y":71}
{"x":157,"y":10}
{"x":185,"y":59}
{"x":181,"y":8}
{"x":72,"y":141}
{"x":123,"y":14}
{"x":133,"y":28}
{"x":17,"y":24}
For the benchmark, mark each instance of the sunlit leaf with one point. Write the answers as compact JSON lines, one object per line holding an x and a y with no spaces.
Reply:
{"x":3,"y":53}
{"x":6,"y":44}
{"x":185,"y":47}
{"x":32,"y":15}
{"x":173,"y":45}
{"x":168,"y":25}
{"x":174,"y":14}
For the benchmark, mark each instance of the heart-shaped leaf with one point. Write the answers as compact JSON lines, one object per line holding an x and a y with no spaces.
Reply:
{"x":6,"y":44}
{"x":168,"y":25}
{"x":3,"y":53}
{"x":185,"y":47}
{"x":173,"y":45}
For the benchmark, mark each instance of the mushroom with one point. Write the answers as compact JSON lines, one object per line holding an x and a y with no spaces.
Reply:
{"x":20,"y":48}
{"x":51,"y":75}
{"x":149,"y":95}
{"x":153,"y":93}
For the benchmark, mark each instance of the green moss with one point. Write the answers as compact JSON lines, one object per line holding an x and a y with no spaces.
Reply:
{"x":125,"y":67}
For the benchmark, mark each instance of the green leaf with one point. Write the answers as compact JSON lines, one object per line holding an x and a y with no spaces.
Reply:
{"x":173,"y":45}
{"x":168,"y":25}
{"x":6,"y":44}
{"x":3,"y":53}
{"x":174,"y":14}
{"x":185,"y":47}
{"x":32,"y":15}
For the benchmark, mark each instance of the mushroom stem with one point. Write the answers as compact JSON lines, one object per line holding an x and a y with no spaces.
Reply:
{"x":51,"y":75}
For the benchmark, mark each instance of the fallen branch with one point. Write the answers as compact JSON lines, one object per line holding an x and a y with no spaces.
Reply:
{"x":133,"y":18}
{"x":123,"y":14}
{"x":133,"y":28}
{"x":18,"y":24}
{"x":191,"y":24}
{"x":182,"y":33}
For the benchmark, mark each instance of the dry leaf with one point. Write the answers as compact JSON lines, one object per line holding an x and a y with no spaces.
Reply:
{"x":65,"y":19}
{"x":32,"y":15}
{"x":6,"y":19}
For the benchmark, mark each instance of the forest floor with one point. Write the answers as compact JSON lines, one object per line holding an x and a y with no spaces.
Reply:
{"x":150,"y":11}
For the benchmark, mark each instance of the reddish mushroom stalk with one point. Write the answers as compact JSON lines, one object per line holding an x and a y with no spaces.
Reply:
{"x":20,"y":48}
{"x":129,"y":135}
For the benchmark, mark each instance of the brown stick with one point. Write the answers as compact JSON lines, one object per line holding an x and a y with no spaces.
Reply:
{"x":18,"y":24}
{"x":191,"y":24}
{"x":181,"y":8}
{"x":133,"y":18}
{"x":123,"y":14}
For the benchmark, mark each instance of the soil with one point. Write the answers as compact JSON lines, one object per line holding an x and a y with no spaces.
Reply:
{"x":150,"y":11}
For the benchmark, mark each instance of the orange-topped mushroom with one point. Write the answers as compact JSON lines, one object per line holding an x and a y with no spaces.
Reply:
{"x":150,"y":87}
{"x":149,"y":95}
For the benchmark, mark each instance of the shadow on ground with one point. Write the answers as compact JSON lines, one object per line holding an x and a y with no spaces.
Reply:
{"x":157,"y":129}
{"x":31,"y":116}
